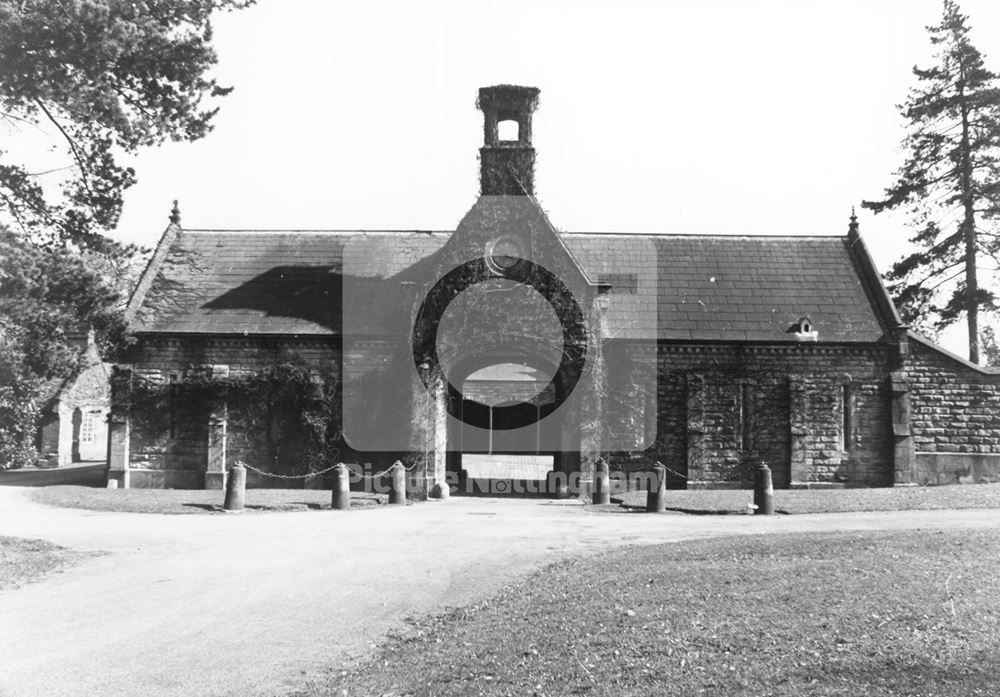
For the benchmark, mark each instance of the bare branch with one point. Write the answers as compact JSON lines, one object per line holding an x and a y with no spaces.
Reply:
{"x":950,"y":278}
{"x":75,"y":149}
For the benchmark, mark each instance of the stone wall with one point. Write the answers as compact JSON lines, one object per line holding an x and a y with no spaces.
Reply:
{"x":173,"y":435}
{"x":954,"y":417}
{"x":721,"y":409}
{"x":174,"y":440}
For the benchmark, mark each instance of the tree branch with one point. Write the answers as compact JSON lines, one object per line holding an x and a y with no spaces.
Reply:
{"x":74,"y":148}
{"x":945,"y":280}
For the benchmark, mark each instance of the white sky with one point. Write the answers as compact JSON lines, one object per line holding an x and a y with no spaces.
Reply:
{"x":718,"y":116}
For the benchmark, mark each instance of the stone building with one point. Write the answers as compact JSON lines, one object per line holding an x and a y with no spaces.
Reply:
{"x":290,"y":350}
{"x":73,"y":425}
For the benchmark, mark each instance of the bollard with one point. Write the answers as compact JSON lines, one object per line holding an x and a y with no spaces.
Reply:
{"x":236,"y":486}
{"x":656,"y":496}
{"x":341,"y":500}
{"x":763,"y":490}
{"x":397,"y":494}
{"x":602,"y":483}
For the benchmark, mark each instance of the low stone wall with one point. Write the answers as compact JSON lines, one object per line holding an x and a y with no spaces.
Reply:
{"x":955,"y":417}
{"x":957,"y":468}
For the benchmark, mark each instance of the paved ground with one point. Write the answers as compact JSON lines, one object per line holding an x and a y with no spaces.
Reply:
{"x":254,"y":604}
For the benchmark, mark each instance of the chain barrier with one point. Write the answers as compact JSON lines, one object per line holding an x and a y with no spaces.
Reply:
{"x":324,"y":471}
{"x":386,"y":471}
{"x":668,"y":469}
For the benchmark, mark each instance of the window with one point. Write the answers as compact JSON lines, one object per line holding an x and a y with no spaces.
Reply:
{"x":509,"y":130}
{"x":503,"y":254}
{"x":846,"y":411}
{"x":88,"y":426}
{"x":745,"y":417}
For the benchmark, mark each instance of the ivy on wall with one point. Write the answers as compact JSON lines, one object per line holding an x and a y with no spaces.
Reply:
{"x":283,"y":418}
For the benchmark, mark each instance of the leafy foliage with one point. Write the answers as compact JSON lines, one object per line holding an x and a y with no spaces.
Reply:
{"x":46,"y":296}
{"x":991,"y":347}
{"x":283,"y":418}
{"x":105,"y":77}
{"x":949,"y":185}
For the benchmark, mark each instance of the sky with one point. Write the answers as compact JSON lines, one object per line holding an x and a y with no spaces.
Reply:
{"x":690,"y":116}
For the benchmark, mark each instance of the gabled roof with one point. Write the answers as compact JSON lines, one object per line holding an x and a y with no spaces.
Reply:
{"x":702,"y":288}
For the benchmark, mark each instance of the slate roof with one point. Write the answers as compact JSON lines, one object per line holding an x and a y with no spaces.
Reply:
{"x":687,"y":287}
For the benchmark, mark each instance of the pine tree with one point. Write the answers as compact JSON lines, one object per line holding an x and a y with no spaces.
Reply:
{"x":949,"y":185}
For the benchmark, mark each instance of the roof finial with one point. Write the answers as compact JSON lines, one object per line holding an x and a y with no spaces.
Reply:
{"x":175,"y":214}
{"x":852,"y":229}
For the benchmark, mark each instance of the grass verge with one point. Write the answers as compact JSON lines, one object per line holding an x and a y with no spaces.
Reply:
{"x":190,"y":501}
{"x":23,"y":560}
{"x":873,"y":613}
{"x":729,"y":501}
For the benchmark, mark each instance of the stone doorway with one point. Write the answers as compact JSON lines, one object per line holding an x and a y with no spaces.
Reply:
{"x":491,"y":454}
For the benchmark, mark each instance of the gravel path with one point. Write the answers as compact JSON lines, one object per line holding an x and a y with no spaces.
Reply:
{"x":255,"y":605}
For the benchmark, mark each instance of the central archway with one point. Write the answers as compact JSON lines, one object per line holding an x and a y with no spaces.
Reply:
{"x":490,"y":456}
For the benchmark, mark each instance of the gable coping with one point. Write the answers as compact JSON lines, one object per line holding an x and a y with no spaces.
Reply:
{"x":924,"y":341}
{"x":135,"y":301}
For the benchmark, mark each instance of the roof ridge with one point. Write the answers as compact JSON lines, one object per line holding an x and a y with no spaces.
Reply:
{"x":729,"y":235}
{"x":345,"y":231}
{"x":314,"y":231}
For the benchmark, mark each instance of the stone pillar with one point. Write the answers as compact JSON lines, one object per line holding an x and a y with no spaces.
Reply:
{"x":64,"y":434}
{"x":120,"y":428}
{"x":215,"y":464}
{"x":436,"y":478}
{"x":903,"y":455}
{"x":428,"y":436}
{"x":695,"y":429}
{"x":798,"y":416}
{"x":591,"y":421}
{"x":119,"y":435}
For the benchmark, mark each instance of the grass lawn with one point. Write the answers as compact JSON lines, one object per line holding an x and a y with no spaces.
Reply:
{"x":723,"y":501}
{"x":875,"y":614}
{"x":187,"y":501}
{"x":23,"y":560}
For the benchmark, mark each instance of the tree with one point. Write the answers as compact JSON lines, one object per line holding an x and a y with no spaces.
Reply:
{"x":991,"y":347}
{"x":949,"y":184}
{"x":105,"y":77}
{"x":46,"y":295}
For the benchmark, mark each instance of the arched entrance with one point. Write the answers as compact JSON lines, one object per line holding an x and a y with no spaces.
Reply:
{"x":502,"y":445}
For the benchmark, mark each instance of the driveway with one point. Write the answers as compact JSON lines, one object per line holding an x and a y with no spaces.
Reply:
{"x":255,"y":604}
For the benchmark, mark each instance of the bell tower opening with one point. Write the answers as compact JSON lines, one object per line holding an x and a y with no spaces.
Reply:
{"x":508,"y":131}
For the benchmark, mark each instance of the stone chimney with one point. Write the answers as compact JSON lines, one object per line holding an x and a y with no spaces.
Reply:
{"x":507,"y":159}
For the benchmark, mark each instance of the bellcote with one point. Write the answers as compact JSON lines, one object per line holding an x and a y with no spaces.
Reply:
{"x":507,"y":158}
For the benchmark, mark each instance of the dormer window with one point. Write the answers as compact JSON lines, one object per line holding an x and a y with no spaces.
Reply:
{"x":803,"y":330}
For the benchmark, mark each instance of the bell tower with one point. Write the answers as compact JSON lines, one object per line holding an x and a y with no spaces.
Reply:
{"x":507,"y":159}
